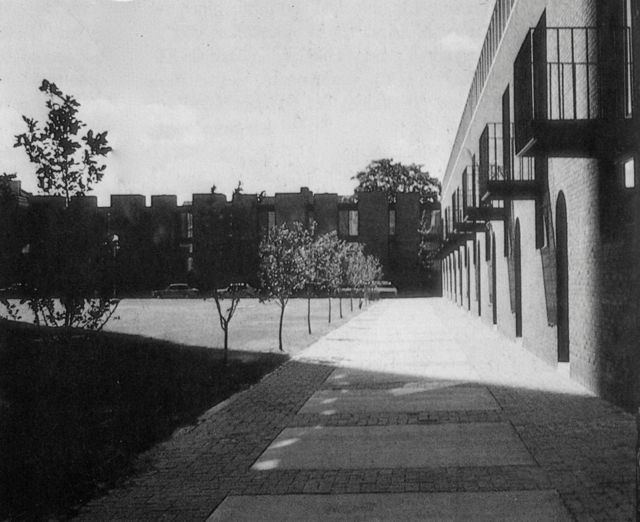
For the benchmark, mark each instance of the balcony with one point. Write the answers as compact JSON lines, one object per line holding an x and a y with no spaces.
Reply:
{"x":475,"y":213}
{"x":501,"y":174}
{"x":572,"y":91}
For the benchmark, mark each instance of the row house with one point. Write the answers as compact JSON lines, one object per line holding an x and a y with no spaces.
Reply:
{"x":540,"y":200}
{"x":208,"y":241}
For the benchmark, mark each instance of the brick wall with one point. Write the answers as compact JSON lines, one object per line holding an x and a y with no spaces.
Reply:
{"x":154,"y":246}
{"x":373,"y":225}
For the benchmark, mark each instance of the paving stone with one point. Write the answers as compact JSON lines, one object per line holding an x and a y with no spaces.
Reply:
{"x":534,"y":506}
{"x":575,"y":443}
{"x":414,"y":398}
{"x":395,"y":446}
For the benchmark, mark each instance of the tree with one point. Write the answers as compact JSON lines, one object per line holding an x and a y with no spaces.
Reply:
{"x":225,"y":316}
{"x":63,"y":261}
{"x":327,"y":252}
{"x":351,"y":269}
{"x":68,"y":164}
{"x":283,"y":269}
{"x":391,"y":178}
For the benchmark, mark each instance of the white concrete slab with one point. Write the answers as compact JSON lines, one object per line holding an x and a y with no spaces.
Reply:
{"x":397,"y":446}
{"x":400,"y":399}
{"x":523,"y":506}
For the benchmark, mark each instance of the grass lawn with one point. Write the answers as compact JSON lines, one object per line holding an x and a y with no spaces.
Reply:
{"x":254,"y":327}
{"x":74,"y":415}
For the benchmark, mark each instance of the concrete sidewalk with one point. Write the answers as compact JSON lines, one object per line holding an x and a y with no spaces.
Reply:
{"x":411,"y":411}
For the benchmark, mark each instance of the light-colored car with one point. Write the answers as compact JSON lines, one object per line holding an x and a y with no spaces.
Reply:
{"x":239,"y":289}
{"x":176,"y":291}
{"x":384,"y":289}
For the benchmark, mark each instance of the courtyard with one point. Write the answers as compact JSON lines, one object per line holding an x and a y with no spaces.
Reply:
{"x":395,"y":415}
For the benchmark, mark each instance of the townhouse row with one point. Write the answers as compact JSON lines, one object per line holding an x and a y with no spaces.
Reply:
{"x":208,"y":241}
{"x":540,"y":196}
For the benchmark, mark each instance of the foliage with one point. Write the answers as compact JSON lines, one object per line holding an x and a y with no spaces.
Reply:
{"x":327,"y":251}
{"x":430,"y":242}
{"x":63,"y":267}
{"x":371,"y":272}
{"x":68,"y":164}
{"x":391,"y":178}
{"x":352,"y":265}
{"x":283,"y":265}
{"x":73,"y":311}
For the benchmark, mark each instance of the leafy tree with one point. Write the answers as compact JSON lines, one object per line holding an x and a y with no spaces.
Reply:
{"x":283,"y":265}
{"x":351,"y":269}
{"x":310,"y":269}
{"x":68,"y":163}
{"x":62,"y":265}
{"x":391,"y":178}
{"x":327,"y":252}
{"x":371,"y":271}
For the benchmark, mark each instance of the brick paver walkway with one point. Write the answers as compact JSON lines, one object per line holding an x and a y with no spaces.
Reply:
{"x":580,"y":446}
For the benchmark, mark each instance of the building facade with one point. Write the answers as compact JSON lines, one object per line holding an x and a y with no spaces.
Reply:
{"x":207,"y":242}
{"x":540,"y":196}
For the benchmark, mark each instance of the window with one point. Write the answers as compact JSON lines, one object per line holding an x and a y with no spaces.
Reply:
{"x":353,"y":223}
{"x":187,"y":225}
{"x":628,"y":168}
{"x":628,"y":58}
{"x":392,"y":222}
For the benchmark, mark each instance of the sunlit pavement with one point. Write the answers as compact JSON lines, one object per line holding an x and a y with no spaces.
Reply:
{"x":413,"y":410}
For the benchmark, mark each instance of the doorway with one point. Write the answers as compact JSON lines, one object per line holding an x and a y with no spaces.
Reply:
{"x":494,"y":286}
{"x":517,"y":260}
{"x":478,"y":280}
{"x":468,"y":265}
{"x":562,"y":279}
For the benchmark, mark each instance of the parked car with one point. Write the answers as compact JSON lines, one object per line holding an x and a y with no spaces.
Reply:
{"x":176,"y":290}
{"x":382,"y":289}
{"x":241,"y":289}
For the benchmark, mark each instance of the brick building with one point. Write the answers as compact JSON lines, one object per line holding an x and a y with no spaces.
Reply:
{"x":540,"y":195}
{"x":208,"y":241}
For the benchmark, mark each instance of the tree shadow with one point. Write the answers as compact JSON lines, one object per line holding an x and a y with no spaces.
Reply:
{"x":75,"y":414}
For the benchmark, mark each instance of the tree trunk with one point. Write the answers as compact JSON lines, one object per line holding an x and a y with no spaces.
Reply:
{"x":309,"y":313}
{"x":329,"y":310}
{"x":340,"y":301}
{"x":226,"y":345}
{"x":282,"y":305}
{"x":351,"y":301}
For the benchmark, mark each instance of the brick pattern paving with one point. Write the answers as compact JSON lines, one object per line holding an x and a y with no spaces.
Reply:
{"x":583,"y":448}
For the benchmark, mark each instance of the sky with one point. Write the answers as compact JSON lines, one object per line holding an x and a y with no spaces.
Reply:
{"x":275,"y":94}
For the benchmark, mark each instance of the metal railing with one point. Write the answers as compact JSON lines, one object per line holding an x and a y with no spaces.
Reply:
{"x":576,"y":73}
{"x":497,"y":25}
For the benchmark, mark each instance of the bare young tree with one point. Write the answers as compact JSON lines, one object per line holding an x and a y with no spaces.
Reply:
{"x":225,"y":313}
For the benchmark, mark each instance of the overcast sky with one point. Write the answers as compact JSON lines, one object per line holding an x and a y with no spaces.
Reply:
{"x":277,"y":94}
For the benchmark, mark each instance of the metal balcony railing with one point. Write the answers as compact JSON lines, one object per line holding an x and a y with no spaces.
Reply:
{"x":495,"y":165}
{"x":572,"y":74}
